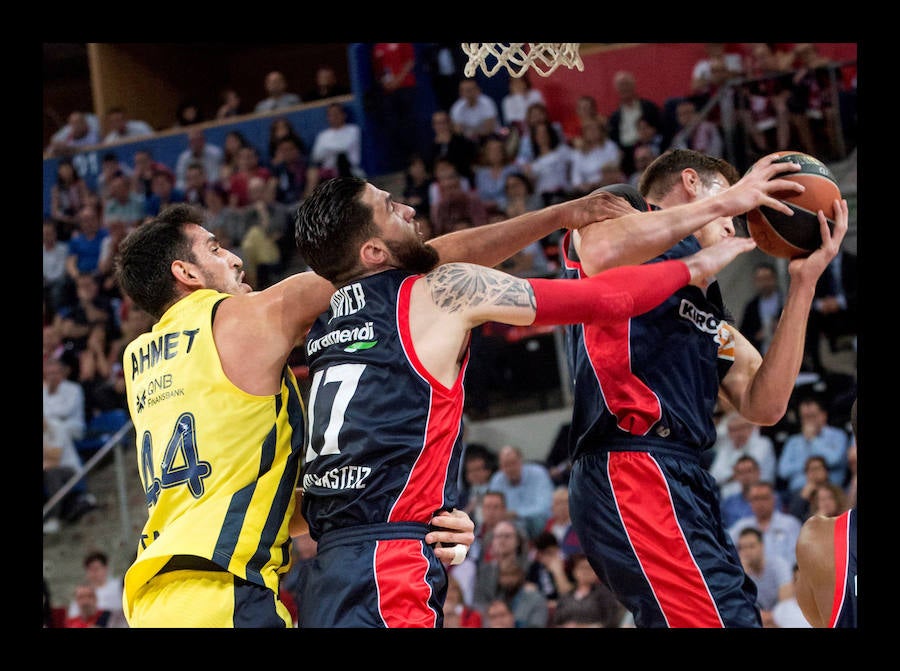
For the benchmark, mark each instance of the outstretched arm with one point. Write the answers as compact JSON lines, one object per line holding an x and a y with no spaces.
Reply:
{"x":491,"y":244}
{"x":641,"y":236}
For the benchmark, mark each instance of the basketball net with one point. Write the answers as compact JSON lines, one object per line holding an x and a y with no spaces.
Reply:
{"x":518,"y":57}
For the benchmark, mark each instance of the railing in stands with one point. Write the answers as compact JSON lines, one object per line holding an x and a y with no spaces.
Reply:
{"x":117,"y":443}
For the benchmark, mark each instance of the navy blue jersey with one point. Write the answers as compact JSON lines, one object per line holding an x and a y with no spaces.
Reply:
{"x":385,"y":437}
{"x":843,"y":611}
{"x":655,"y":376}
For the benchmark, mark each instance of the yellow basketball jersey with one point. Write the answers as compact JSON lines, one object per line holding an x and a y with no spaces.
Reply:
{"x":219,"y":466}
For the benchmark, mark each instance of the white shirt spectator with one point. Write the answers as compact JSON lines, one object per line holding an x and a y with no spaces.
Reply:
{"x":210,"y":155}
{"x":738,"y":436}
{"x":587,"y":166}
{"x":469,"y":118}
{"x":779,"y":538}
{"x":515,"y":105}
{"x":133,"y":128}
{"x":55,"y":262}
{"x":333,"y":141}
{"x":65,"y":403}
{"x":57,"y":435}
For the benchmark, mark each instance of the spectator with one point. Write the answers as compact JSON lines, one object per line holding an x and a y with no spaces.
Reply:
{"x":530,"y":261}
{"x":547,"y":570}
{"x":91,"y":308}
{"x":762,"y":100}
{"x":453,"y":203}
{"x":107,"y":587}
{"x":506,"y":542}
{"x":737,"y":505}
{"x":187,"y":114}
{"x":100,"y":374}
{"x":763,"y":310}
{"x":142,"y":174}
{"x":586,"y":110}
{"x":499,"y":615}
{"x":58,"y":286}
{"x":779,"y":529}
{"x":231,"y":104}
{"x":119,"y":126}
{"x":222,"y":220}
{"x":248,"y":166}
{"x":394,"y":72}
{"x":110,"y":165}
{"x":85,"y":243}
{"x":234,"y":141}
{"x":524,"y":146}
{"x":277,"y":94}
{"x":63,"y":398}
{"x":811,"y":104}
{"x":589,"y":603}
{"x":198,"y":149}
{"x":267,"y":222}
{"x":491,"y":172}
{"x":195,"y":182}
{"x":520,"y":195}
{"x":695,"y":132}
{"x":164,"y":192}
{"x":280,"y":128}
{"x":417,"y":181}
{"x":81,"y":130}
{"x":451,"y":145}
{"x":828,"y":500}
{"x":109,"y":248}
{"x":816,"y":437}
{"x":474,"y":114}
{"x":702,"y":74}
{"x":594,"y":151}
{"x":457,"y":612}
{"x":644,"y":155}
{"x":290,"y":168}
{"x":786,"y":614}
{"x":833,"y":311}
{"x":89,"y":615}
{"x":560,"y":523}
{"x":550,"y":168}
{"x":770,"y":572}
{"x":514,"y":104}
{"x":740,"y":437}
{"x":479,"y":463}
{"x":61,"y":462}
{"x":623,"y":121}
{"x":326,"y":85}
{"x":123,"y":203}
{"x":337,"y":149}
{"x":799,"y":503}
{"x":68,"y":194}
{"x":527,"y":487}
{"x":529,"y":607}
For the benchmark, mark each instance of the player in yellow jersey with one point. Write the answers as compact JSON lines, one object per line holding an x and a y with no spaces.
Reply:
{"x":219,"y":419}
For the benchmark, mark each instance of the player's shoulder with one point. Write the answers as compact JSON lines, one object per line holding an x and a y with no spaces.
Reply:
{"x":629,"y":193}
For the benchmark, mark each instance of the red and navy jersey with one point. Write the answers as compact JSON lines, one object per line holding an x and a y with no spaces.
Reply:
{"x":385,"y":436}
{"x":655,"y":376}
{"x":843,"y":610}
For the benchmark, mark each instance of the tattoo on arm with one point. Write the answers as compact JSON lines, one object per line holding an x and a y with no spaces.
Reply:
{"x":458,"y":286}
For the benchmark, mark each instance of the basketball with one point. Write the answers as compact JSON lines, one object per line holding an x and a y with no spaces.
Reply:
{"x":796,"y":236}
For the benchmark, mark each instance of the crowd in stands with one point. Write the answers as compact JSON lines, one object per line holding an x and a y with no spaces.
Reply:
{"x":484,"y":162}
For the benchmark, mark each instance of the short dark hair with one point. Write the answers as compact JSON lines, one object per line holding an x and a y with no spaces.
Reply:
{"x":146,"y":255}
{"x":665,"y":171}
{"x":96,"y":555}
{"x":331,"y":224}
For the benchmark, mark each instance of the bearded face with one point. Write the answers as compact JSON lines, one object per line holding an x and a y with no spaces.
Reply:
{"x":413,"y":254}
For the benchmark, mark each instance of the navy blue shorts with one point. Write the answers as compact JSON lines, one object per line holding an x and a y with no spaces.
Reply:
{"x":650,"y":525}
{"x":376,"y":575}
